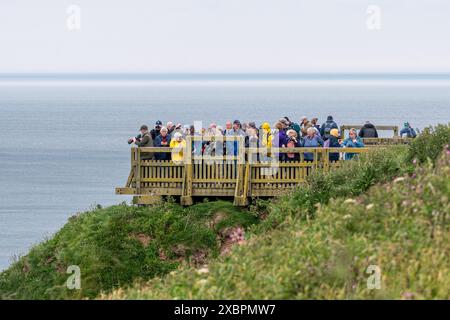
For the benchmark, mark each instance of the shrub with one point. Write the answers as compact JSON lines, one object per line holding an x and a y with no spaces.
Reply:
{"x":429,"y":144}
{"x":119,"y":245}
{"x":402,"y":227}
{"x":353,"y":178}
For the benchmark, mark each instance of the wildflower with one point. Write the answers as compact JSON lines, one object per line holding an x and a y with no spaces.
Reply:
{"x":370,"y":206}
{"x":202,"y":282}
{"x":238,"y":235}
{"x":408,"y":295}
{"x":203,"y":270}
{"x":399,"y":179}
{"x":350,"y":201}
{"x":415,"y":161}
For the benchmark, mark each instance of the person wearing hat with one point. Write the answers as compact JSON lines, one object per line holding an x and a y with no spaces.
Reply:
{"x":266,"y":139}
{"x":333,"y":142}
{"x":142,"y":140}
{"x":368,"y":130}
{"x":407,"y":131}
{"x":293,"y":141}
{"x":155,"y":132}
{"x":178,"y":144}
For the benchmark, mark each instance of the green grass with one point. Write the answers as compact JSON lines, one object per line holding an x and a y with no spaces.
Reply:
{"x":119,"y":245}
{"x":311,"y":243}
{"x":401,"y":226}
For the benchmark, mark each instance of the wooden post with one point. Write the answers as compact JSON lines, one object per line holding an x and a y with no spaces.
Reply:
{"x":240,"y":198}
{"x":138,"y":171}
{"x":326,"y":160}
{"x":186,"y":197}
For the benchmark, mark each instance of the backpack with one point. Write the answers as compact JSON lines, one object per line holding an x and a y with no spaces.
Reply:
{"x":327,"y":127}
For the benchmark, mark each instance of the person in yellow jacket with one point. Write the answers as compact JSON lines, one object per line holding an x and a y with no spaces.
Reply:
{"x":179,"y":144}
{"x":266,"y":138}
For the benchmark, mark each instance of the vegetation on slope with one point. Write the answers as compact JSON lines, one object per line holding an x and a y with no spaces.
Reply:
{"x":401,"y":227}
{"x":116,"y":246}
{"x":121,"y":245}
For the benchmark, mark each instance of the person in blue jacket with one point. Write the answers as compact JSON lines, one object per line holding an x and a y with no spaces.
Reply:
{"x":353,"y":141}
{"x":407,"y":131}
{"x":311,"y":140}
{"x":163,"y":141}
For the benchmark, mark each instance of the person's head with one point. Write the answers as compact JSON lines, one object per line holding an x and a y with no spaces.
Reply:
{"x":406,"y":124}
{"x":178,"y":126}
{"x":265,"y":126}
{"x":303,"y":119}
{"x":178,"y":136}
{"x":219,"y":130}
{"x":251,"y":132}
{"x":279,"y":126}
{"x":192,"y":129}
{"x":314,"y":121}
{"x":158,"y":125}
{"x":284,"y":122}
{"x":334,"y":132}
{"x":163,"y":131}
{"x":330,"y":118}
{"x":169,"y":125}
{"x":288,"y":121}
{"x":143,"y":129}
{"x":212,"y":125}
{"x":353,"y":133}
{"x":311,"y":132}
{"x":291,"y":133}
{"x":236,"y":124}
{"x":252,"y":125}
{"x":228,"y":125}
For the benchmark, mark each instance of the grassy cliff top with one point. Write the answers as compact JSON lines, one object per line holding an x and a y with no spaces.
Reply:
{"x":315,"y":242}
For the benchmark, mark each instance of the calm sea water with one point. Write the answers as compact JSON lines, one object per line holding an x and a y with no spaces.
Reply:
{"x":63,"y":144}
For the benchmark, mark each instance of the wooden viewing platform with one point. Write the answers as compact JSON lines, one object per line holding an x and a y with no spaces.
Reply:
{"x":249,"y":174}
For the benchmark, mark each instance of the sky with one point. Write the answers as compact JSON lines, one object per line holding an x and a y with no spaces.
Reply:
{"x":216,"y":36}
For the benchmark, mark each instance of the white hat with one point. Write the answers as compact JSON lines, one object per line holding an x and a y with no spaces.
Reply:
{"x":177,"y":136}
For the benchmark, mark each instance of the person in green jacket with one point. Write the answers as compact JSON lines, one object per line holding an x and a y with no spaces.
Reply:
{"x":144,"y":139}
{"x":353,"y":141}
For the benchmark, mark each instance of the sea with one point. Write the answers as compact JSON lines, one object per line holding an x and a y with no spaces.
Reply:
{"x":63,"y":138}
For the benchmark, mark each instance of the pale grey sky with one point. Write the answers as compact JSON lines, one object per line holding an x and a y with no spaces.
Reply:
{"x":225,"y":36}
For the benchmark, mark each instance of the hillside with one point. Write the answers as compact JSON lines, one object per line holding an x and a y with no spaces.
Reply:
{"x":401,"y":227}
{"x":316,"y":242}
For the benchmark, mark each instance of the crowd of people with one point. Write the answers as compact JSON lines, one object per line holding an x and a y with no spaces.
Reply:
{"x":284,"y":134}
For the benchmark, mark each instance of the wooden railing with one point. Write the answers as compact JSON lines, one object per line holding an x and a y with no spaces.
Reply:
{"x":374,"y":142}
{"x":247,"y":173}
